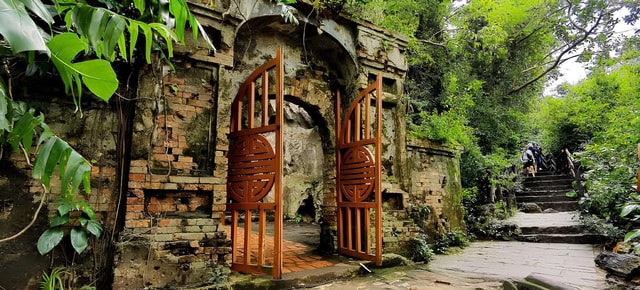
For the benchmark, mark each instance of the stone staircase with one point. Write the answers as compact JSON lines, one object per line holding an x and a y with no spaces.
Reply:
{"x":558,"y":221}
{"x":548,"y":191}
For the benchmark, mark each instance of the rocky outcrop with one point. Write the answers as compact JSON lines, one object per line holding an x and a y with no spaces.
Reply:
{"x":625,"y":266}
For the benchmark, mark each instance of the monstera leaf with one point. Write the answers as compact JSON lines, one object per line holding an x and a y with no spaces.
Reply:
{"x":97,"y":74}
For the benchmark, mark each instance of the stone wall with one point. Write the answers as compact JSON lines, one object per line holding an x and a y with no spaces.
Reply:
{"x":435,"y":182}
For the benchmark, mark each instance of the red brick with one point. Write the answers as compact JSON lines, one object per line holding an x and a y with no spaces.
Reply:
{"x":153,"y":207}
{"x":135,"y":208}
{"x":176,"y":81}
{"x":135,"y":200}
{"x":168,"y":207}
{"x":134,"y":215}
{"x":164,"y":222}
{"x":137,"y":177}
{"x":137,"y":223}
{"x":188,"y":159}
{"x":138,"y":163}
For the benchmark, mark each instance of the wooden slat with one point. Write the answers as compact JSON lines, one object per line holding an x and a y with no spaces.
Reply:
{"x":251,"y":105}
{"x":378,"y":185}
{"x":279,"y":218}
{"x":367,"y":119}
{"x":247,"y":237}
{"x":262,"y":225}
{"x":265,"y":99}
{"x":358,"y":225}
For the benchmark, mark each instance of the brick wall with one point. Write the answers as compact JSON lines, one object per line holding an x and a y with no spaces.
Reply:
{"x":435,"y":181}
{"x":175,"y":203}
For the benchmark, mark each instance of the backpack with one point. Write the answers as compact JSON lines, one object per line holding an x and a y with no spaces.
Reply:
{"x":525,"y":157}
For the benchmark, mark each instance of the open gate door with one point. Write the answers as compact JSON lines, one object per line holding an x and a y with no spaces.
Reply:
{"x":359,"y":173}
{"x":254,"y":181}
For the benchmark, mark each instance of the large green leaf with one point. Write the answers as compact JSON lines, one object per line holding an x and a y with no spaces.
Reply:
{"x":98,"y":76}
{"x":94,"y":228}
{"x":113,"y":32}
{"x":633,"y":234}
{"x":18,"y":29}
{"x":38,"y":8}
{"x":47,"y":160}
{"x":64,"y":48}
{"x":5,"y":105}
{"x":79,"y":239}
{"x":628,"y":208}
{"x":59,"y":220}
{"x":49,"y":239}
{"x":23,"y":130}
{"x":74,"y":169}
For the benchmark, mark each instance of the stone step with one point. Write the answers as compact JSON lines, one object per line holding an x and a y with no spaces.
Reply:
{"x":574,"y":229}
{"x":548,"y":179}
{"x":557,"y":205}
{"x":540,"y":176}
{"x":545,"y":198}
{"x":548,"y":187}
{"x":562,"y":238}
{"x":544,"y":192}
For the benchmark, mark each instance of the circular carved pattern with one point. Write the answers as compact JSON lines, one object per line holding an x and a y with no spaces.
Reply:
{"x":357,"y":174}
{"x":252,"y":168}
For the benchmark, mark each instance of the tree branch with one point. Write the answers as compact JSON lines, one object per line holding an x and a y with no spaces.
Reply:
{"x":558,"y":59}
{"x":433,"y":43}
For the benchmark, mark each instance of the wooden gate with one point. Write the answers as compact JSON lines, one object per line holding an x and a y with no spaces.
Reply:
{"x":254,"y":181}
{"x":359,"y":173}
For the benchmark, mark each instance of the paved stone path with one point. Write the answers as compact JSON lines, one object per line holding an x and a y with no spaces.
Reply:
{"x":486,"y":264}
{"x":571,"y":264}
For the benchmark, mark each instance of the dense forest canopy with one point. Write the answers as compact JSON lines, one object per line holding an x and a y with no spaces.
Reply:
{"x":478,"y":70}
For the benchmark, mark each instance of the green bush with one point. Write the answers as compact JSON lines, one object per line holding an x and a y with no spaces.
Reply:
{"x":420,"y":249}
{"x":453,"y":238}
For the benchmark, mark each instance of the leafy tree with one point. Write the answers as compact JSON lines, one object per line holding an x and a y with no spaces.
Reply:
{"x":479,"y":67}
{"x":600,"y":116}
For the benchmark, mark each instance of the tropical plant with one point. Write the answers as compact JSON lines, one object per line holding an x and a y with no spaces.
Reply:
{"x":53,"y":280}
{"x":454,"y":238}
{"x":420,"y":249}
{"x":82,"y":40}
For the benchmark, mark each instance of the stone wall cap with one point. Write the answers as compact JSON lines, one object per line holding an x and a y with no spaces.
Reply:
{"x":427,"y":144}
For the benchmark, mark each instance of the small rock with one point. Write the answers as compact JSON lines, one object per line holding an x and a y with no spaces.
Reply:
{"x":550,"y":210}
{"x":531,"y":207}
